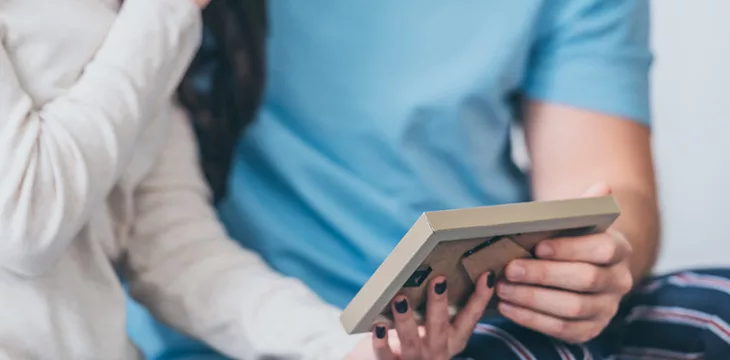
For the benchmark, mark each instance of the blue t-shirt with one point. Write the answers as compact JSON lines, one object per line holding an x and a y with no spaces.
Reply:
{"x":376,"y":111}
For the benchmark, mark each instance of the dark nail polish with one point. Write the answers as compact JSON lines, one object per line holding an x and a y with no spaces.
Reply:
{"x":440,"y":288}
{"x":490,"y":280}
{"x":401,"y":306}
{"x":380,"y":332}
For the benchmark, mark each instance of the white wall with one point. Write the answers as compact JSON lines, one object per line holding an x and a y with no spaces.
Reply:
{"x":692,"y":129}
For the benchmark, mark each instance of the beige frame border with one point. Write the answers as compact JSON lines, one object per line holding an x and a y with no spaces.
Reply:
{"x":462,"y":224}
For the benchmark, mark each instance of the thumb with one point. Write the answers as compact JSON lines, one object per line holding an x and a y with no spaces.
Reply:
{"x":597,"y":189}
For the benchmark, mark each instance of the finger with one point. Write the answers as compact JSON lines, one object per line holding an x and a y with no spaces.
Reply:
{"x":597,"y":189}
{"x":381,"y":347}
{"x":562,"y":304}
{"x":407,"y":329}
{"x":600,"y":249}
{"x":438,"y":324}
{"x":572,"y":332}
{"x":466,"y":320}
{"x":573,"y":276}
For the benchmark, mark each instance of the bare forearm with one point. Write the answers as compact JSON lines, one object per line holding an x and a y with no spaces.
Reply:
{"x":639,"y":222}
{"x":573,"y":149}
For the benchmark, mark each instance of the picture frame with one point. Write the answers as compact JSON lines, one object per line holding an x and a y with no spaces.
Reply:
{"x":462,"y":244}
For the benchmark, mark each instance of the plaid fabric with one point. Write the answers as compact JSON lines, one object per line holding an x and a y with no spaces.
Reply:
{"x":223,"y":87}
{"x":681,"y":316}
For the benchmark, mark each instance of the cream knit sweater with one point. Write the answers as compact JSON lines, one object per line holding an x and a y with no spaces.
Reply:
{"x":99,"y":179}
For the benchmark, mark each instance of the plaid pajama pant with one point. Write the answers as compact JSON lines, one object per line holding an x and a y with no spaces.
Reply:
{"x":680,"y":316}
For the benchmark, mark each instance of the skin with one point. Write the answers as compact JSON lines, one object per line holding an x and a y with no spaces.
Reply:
{"x":202,"y":3}
{"x":439,"y":339}
{"x":574,"y":287}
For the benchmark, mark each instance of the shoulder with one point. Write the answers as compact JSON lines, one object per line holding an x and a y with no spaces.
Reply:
{"x":589,"y":15}
{"x":594,"y":55}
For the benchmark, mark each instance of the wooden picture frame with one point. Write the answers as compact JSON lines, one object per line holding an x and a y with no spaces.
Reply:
{"x":461,"y":245}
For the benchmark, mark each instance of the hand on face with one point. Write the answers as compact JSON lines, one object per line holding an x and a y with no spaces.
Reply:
{"x":439,"y":338}
{"x":573,"y":290}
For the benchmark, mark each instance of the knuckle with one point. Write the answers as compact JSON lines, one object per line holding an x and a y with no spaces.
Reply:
{"x":607,"y":252}
{"x":578,"y":308}
{"x":562,"y":329}
{"x":625,"y":282}
{"x":592,"y":278}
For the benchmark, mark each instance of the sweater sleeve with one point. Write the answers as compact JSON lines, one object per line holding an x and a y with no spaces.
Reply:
{"x":61,"y":158}
{"x":181,"y":265}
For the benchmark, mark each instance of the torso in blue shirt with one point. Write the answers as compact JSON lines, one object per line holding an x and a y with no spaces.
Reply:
{"x":377,"y":111}
{"x":374,"y":114}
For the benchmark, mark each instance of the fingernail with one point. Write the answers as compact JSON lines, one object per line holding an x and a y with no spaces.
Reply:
{"x":401,"y":306}
{"x":515,"y":272}
{"x":440,"y":287}
{"x":490,"y":280}
{"x":380,"y":332}
{"x":544,"y":250}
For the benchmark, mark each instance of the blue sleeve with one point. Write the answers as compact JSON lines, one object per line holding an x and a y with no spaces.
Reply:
{"x":593,"y":55}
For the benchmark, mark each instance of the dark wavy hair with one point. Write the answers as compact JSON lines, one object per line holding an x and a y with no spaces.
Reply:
{"x":223,"y":87}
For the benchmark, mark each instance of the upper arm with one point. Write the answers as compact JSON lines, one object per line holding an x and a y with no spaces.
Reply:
{"x":570,"y":149}
{"x":587,"y":116}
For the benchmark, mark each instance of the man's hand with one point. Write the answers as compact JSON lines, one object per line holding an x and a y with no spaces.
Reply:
{"x":439,"y":339}
{"x":572,"y":291}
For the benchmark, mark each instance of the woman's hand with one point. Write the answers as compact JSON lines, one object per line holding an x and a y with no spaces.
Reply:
{"x":439,"y":338}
